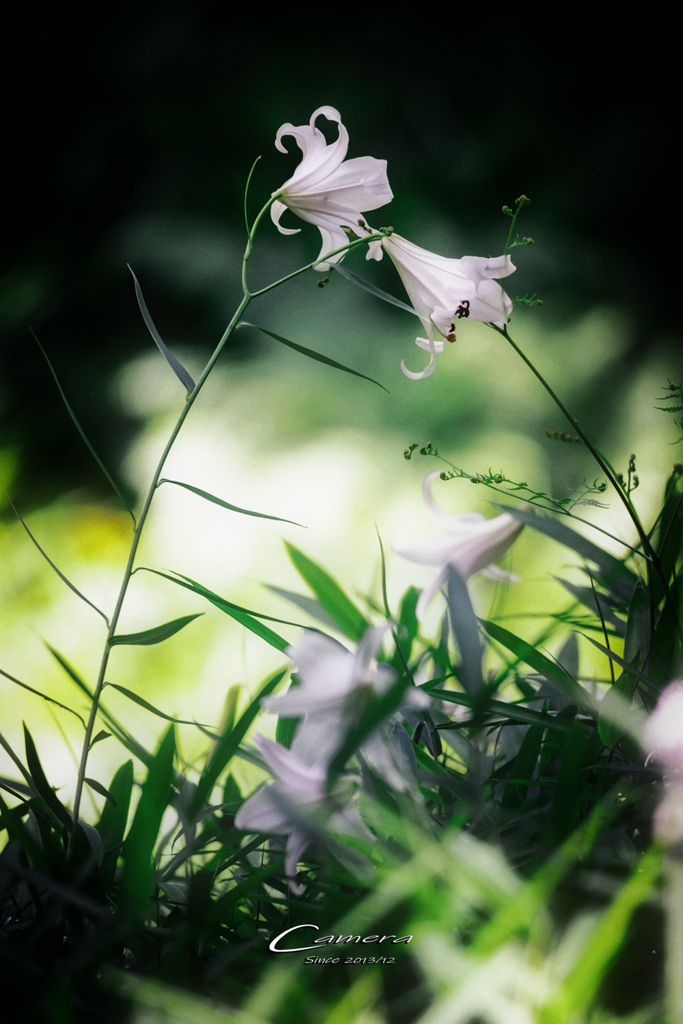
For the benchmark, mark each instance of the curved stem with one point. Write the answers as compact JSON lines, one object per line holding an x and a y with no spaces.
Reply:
{"x":128,"y":572}
{"x":649,"y":551}
{"x":322,"y":259}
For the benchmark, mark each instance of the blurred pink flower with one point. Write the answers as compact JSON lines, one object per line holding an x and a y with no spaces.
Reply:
{"x":327,"y":190}
{"x":663,"y":734}
{"x":470,"y":543}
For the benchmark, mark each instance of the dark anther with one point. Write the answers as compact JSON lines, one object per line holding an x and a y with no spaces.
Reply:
{"x":463,"y":309}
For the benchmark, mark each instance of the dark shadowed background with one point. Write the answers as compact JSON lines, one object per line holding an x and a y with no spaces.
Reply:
{"x":129,"y":134}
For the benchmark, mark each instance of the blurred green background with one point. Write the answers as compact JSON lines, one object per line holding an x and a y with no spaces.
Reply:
{"x":129,"y":139}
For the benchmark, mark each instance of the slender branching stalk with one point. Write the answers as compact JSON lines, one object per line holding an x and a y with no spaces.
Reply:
{"x":190,"y":400}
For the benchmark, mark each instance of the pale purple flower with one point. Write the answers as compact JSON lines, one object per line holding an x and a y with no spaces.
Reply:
{"x":444,"y":291}
{"x":470,"y":542}
{"x":327,"y":190}
{"x":663,"y":737}
{"x":274,"y":808}
{"x":285,"y":807}
{"x":334,"y":686}
{"x":663,"y":734}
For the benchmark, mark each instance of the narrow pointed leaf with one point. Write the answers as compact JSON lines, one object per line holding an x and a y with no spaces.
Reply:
{"x":589,"y":599}
{"x":348,"y":617}
{"x":150,"y":707}
{"x":175,"y":364}
{"x":306,"y":604}
{"x":80,"y":430}
{"x":620,"y":661}
{"x":99,"y":788}
{"x":372,"y":288}
{"x":138,"y":847}
{"x":44,"y":696}
{"x":102,"y":735}
{"x":241,"y":615}
{"x":466,"y":633}
{"x":225,"y":504}
{"x":155,"y":635}
{"x":539,"y":662}
{"x":227,"y":746}
{"x":613,"y":573}
{"x":638,"y":628}
{"x":43,"y":787}
{"x":112,"y":823}
{"x":53,"y":566}
{"x":18,"y":762}
{"x":314,"y":355}
{"x":124,"y":737}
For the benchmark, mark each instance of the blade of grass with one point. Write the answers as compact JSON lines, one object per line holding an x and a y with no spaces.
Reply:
{"x":225,"y":504}
{"x":80,"y":430}
{"x":314,"y":355}
{"x":52,"y":564}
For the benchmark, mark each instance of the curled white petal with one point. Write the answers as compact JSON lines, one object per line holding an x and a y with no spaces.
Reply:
{"x":444,"y":291}
{"x":326,"y":189}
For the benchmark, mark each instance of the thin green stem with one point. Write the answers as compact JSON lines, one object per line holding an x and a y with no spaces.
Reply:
{"x":322,"y":259}
{"x":512,"y":225}
{"x":191,"y":398}
{"x":128,"y":572}
{"x":461,"y":474}
{"x":246,"y":195}
{"x":649,"y":551}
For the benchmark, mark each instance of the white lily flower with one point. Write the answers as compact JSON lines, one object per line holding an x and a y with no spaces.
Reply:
{"x":273,"y":808}
{"x":332,"y":690}
{"x":471,"y":543}
{"x":444,"y":290}
{"x":327,"y":190}
{"x":332,"y":684}
{"x":282,"y":807}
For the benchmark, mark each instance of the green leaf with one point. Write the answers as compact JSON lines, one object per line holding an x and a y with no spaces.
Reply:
{"x":372,"y":288}
{"x":540,"y":663}
{"x":589,"y":598}
{"x":314,"y":355}
{"x":580,"y":986}
{"x":227,"y":746}
{"x":80,"y":430}
{"x":44,"y":696}
{"x":508,"y":712}
{"x":175,"y":364}
{"x":638,"y":628}
{"x":112,"y":823}
{"x":285,"y":729}
{"x":138,"y":847}
{"x":613,"y":573}
{"x":523,"y":765}
{"x":225,"y":504}
{"x":155,"y":635}
{"x":124,"y":737}
{"x":670,"y":534}
{"x":43,"y":787}
{"x":18,"y":762}
{"x":348,"y":617}
{"x":150,"y":707}
{"x":99,"y":788}
{"x":466,"y":632}
{"x":52,"y":565}
{"x":102,"y":735}
{"x":306,"y":604}
{"x":241,"y":615}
